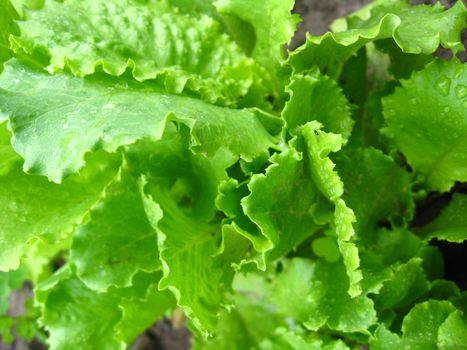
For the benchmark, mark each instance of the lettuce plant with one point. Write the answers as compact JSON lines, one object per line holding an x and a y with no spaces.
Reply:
{"x":162,"y":156}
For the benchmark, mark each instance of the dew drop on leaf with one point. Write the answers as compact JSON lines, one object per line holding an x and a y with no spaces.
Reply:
{"x":461,"y":91}
{"x":107,"y":108}
{"x":443,"y":85}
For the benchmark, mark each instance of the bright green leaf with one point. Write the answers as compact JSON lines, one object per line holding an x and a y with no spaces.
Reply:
{"x":8,"y":27}
{"x":57,"y":118}
{"x":451,"y":224}
{"x":93,"y":318}
{"x":426,"y":119}
{"x":316,"y":97}
{"x":452,"y":334}
{"x":178,"y":193}
{"x":379,"y":190}
{"x":141,"y":306}
{"x":284,"y":340}
{"x":6,"y":325}
{"x":32,"y":208}
{"x":280,"y":203}
{"x":407,"y":284}
{"x":116,"y":241}
{"x":245,"y":326}
{"x":272,"y":22}
{"x":419,"y":328}
{"x":405,"y":24}
{"x":316,"y":294}
{"x":319,"y":144}
{"x":151,"y":38}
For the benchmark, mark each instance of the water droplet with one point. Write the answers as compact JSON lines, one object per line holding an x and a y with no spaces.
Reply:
{"x":107,"y":108}
{"x":446,"y":109}
{"x":443,"y":85}
{"x":65,"y":126}
{"x":461,"y":91}
{"x":123,"y":85}
{"x":413,"y":101}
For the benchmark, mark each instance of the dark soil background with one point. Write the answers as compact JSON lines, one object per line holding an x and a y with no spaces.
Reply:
{"x":316,"y":18}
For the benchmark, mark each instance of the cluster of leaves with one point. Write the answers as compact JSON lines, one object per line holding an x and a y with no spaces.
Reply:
{"x":173,"y":157}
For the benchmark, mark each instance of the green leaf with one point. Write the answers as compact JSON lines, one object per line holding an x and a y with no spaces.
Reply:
{"x":356,"y":69}
{"x":229,"y":201}
{"x":238,"y":251}
{"x":374,"y":272}
{"x":316,"y":97}
{"x":184,"y":241}
{"x":410,"y":35}
{"x":307,"y":173}
{"x":240,"y":235}
{"x":452,"y":334}
{"x":451,"y":224}
{"x":41,"y":256}
{"x":245,"y":326}
{"x":443,"y":289}
{"x":316,"y":294}
{"x":284,"y":340}
{"x":65,"y":297}
{"x":254,"y":323}
{"x":407,"y":284}
{"x":179,"y":193}
{"x":8,"y":156}
{"x":393,"y":259}
{"x":395,"y":246}
{"x":419,"y":328}
{"x":405,"y":24}
{"x":369,"y":120}
{"x":57,"y":118}
{"x":116,"y":241}
{"x":32,"y":208}
{"x":402,"y":64}
{"x":8,"y":26}
{"x":6,"y":325}
{"x":319,"y":144}
{"x":327,"y":248}
{"x":379,"y":190}
{"x":142,"y":306}
{"x":426,"y":119}
{"x":196,"y":7}
{"x":21,"y":5}
{"x":280,"y":203}
{"x":344,"y":219}
{"x":151,"y":38}
{"x":273,"y":26}
{"x":93,"y":319}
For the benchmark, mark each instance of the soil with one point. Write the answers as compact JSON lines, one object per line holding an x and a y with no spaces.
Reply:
{"x":316,"y":16}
